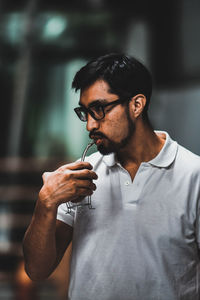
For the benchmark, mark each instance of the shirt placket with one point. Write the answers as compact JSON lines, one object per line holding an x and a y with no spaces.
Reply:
{"x":131,"y":190}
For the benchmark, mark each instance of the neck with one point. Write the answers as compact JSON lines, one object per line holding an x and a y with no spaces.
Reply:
{"x":143,"y":146}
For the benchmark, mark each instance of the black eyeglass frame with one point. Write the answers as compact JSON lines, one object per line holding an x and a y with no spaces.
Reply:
{"x":79,"y":110}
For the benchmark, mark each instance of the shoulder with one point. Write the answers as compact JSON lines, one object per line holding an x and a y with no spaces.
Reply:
{"x":188,"y":159}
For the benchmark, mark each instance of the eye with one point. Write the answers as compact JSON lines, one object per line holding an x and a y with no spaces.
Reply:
{"x":97,"y":108}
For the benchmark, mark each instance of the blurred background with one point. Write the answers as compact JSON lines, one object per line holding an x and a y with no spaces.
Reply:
{"x":42,"y":45}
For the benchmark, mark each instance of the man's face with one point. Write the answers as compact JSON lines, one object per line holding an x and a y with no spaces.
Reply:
{"x":113,"y":132}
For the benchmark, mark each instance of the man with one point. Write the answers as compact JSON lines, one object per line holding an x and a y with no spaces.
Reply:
{"x":141,"y":239}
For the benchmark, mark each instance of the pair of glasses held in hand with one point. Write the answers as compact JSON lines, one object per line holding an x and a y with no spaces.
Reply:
{"x":71,"y":205}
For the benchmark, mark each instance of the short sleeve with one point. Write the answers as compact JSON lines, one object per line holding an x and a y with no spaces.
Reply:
{"x":64,"y":216}
{"x":198,"y":224}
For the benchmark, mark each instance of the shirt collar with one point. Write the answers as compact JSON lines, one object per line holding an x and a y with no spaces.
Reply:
{"x":167,"y":154}
{"x":164,"y":158}
{"x":110,"y":160}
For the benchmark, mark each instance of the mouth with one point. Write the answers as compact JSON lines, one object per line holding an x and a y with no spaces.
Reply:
{"x":97,"y":139}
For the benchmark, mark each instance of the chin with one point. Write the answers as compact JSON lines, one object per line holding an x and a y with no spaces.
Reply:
{"x":105,"y":150}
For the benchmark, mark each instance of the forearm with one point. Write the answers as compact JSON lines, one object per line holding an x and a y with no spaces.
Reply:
{"x":46,"y":240}
{"x":39,"y":243}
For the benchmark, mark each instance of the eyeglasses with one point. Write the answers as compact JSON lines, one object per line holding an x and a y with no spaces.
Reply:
{"x":96,"y":110}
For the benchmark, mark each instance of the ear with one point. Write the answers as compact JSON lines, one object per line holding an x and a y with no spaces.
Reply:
{"x":138,"y":103}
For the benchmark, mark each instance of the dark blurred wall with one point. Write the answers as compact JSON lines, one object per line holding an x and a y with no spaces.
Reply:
{"x":40,"y":39}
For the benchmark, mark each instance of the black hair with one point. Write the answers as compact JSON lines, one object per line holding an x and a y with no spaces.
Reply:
{"x":125,"y":75}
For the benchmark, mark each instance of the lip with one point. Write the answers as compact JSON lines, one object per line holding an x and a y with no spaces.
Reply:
{"x":97,"y":140}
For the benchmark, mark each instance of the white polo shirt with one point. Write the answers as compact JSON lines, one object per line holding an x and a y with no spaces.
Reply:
{"x":141,"y":241}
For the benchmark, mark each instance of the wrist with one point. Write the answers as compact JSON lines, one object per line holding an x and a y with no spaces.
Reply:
{"x":47,"y":199}
{"x":47,"y":205}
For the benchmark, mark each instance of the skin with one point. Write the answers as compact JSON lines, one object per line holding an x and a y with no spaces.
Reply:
{"x":122,"y":123}
{"x":46,"y":238}
{"x":123,"y":131}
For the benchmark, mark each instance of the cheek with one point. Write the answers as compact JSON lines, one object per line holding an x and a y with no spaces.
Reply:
{"x":116,"y":128}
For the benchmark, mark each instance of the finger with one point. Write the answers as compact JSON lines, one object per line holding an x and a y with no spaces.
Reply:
{"x":76,"y":166}
{"x":88,"y":184}
{"x":85,"y":174}
{"x":82,"y":194}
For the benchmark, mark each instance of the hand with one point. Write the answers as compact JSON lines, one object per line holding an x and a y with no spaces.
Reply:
{"x":71,"y":182}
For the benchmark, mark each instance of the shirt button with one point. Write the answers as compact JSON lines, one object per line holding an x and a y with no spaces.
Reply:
{"x":127,"y":182}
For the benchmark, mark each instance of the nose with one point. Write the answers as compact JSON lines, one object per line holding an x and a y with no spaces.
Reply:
{"x":91,"y":123}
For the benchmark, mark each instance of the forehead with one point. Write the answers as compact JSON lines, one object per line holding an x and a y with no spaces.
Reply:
{"x":100,"y":89}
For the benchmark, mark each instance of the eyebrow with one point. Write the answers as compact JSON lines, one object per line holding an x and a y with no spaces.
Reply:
{"x":97,"y":101}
